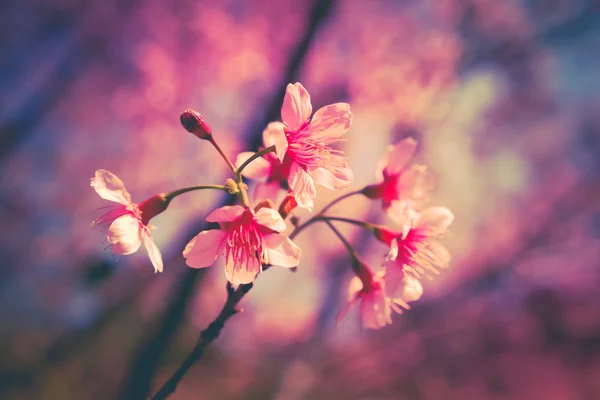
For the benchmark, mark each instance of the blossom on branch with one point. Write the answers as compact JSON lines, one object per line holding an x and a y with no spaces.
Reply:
{"x":128,"y":223}
{"x":416,"y":249}
{"x":402,"y":186}
{"x":305,"y":143}
{"x":246,"y":240}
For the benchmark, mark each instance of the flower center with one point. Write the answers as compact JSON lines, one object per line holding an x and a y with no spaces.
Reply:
{"x":308,"y":149}
{"x":244,"y":240}
{"x":116,"y":211}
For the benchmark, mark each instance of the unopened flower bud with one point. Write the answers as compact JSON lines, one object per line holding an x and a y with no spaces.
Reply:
{"x":153,"y":206}
{"x":193,"y":122}
{"x":287,"y":205}
{"x":374,"y":191}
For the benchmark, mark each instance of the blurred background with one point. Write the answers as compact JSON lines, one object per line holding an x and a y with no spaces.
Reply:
{"x":502,"y":95}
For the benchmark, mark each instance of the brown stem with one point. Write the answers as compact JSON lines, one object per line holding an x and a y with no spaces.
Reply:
{"x":206,"y":337}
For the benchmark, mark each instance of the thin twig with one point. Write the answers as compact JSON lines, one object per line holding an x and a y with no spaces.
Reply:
{"x":206,"y":337}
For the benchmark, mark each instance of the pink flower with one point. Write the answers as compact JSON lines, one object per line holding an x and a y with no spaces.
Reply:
{"x":402,"y":187}
{"x":246,"y":240}
{"x":269,"y":171}
{"x":375,"y":306}
{"x":306,"y":144}
{"x":128,"y":223}
{"x":416,"y":250}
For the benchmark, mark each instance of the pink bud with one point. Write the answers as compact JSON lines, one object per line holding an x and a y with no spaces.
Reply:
{"x":374,"y":191}
{"x":193,"y":122}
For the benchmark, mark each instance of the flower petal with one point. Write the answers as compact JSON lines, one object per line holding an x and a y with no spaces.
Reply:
{"x":401,"y":214}
{"x":412,"y":289}
{"x":153,"y":251}
{"x":399,"y":155}
{"x":393,"y":279}
{"x":274,"y":135}
{"x":416,"y":184}
{"x":270,"y":218}
{"x":257,"y":170}
{"x":355,"y":286}
{"x":434,"y":221}
{"x":440,"y":256}
{"x":375,"y":310}
{"x":335,"y":175}
{"x":203,"y":250}
{"x":225,"y":214}
{"x":330,"y":122}
{"x":281,"y":251}
{"x":265,"y":191}
{"x":110,"y":187}
{"x":303,"y":186}
{"x":125,"y":234}
{"x":243,"y":272}
{"x":296,"y":108}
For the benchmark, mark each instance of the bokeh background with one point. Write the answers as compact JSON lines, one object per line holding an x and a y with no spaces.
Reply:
{"x":502,"y":95}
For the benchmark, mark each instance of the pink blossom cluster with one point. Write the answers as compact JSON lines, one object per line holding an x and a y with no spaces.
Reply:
{"x":298,"y":156}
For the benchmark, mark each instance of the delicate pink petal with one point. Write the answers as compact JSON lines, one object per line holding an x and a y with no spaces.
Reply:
{"x":401,"y":214}
{"x":335,"y":175}
{"x":439,"y":254}
{"x":330,"y":122}
{"x":274,"y":135}
{"x":303,"y":186}
{"x":270,"y":218}
{"x":399,"y":155}
{"x":394,"y":250}
{"x":344,"y":311}
{"x":411,"y":290}
{"x":434,"y":220}
{"x":375,"y":310}
{"x":281,"y":251}
{"x":125,"y":234}
{"x":296,"y":107}
{"x":393,"y":279}
{"x":225,"y":214}
{"x":110,"y":187}
{"x":265,"y":191}
{"x":257,"y":170}
{"x":416,"y":184}
{"x":355,"y":286}
{"x":153,"y":251}
{"x":244,"y":272}
{"x":203,"y":250}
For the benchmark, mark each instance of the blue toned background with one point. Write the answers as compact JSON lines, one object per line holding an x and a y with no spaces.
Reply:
{"x":502,"y":95}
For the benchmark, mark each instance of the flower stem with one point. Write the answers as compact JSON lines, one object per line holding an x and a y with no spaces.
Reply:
{"x":362,"y":224}
{"x":319,"y":215}
{"x":344,"y":241}
{"x":206,"y":337}
{"x":223,"y":156}
{"x":270,"y":149}
{"x":170,"y":196}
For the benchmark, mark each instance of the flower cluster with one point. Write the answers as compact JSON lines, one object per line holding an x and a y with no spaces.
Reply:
{"x":299,"y":153}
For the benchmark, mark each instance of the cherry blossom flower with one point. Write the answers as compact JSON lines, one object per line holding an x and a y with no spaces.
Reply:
{"x":403,"y":187}
{"x":375,"y":306}
{"x":128,"y":223}
{"x":246,"y":240}
{"x":416,"y":250}
{"x":305,"y":143}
